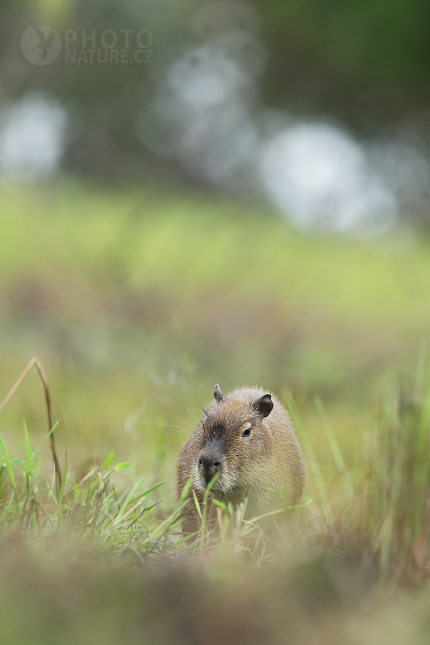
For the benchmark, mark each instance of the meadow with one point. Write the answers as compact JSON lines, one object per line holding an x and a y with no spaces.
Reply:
{"x":136,"y":302}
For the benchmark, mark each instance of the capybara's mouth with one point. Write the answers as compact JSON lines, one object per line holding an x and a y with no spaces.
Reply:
{"x":218,"y":486}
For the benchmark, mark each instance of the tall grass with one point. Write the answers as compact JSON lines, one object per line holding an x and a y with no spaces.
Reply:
{"x":97,"y":560}
{"x":94,"y":512}
{"x":400,"y":469}
{"x":380,"y":507}
{"x":91,"y":511}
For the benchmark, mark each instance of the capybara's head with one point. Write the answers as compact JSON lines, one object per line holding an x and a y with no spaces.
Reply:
{"x":233,"y":444}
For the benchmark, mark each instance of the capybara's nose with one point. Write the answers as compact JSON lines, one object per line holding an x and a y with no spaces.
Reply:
{"x":209,"y":465}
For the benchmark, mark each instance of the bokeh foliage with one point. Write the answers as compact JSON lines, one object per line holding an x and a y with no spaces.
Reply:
{"x":365,"y":64}
{"x":118,"y":292}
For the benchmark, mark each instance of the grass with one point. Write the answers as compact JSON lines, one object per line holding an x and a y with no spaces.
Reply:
{"x":116,"y":289}
{"x":334,"y":555}
{"x":92,"y":509}
{"x":401,"y":467}
{"x":389,"y":488}
{"x":138,"y":303}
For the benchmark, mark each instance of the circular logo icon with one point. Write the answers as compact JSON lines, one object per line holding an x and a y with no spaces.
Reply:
{"x":40,"y":45}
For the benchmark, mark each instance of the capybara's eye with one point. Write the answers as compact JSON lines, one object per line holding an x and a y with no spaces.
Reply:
{"x":246,"y":432}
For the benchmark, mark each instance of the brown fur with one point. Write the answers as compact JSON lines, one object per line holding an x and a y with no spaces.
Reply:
{"x":265,"y":468}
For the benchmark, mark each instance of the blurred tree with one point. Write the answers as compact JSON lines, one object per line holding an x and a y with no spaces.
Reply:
{"x":366,"y":64}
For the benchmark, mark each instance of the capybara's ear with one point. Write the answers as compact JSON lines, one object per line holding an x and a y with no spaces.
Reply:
{"x":263,"y":405}
{"x":218,"y":394}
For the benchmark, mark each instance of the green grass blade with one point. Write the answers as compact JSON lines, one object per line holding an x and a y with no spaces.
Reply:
{"x":121,"y":466}
{"x":44,"y":439}
{"x":334,"y":446}
{"x":186,"y":488}
{"x":28,"y":451}
{"x":306,"y":445}
{"x":8,"y":463}
{"x":196,"y":502}
{"x":108,"y":460}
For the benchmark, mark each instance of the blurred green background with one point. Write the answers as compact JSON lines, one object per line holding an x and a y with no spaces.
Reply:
{"x":192,"y":192}
{"x":247,"y":206}
{"x":128,"y":293}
